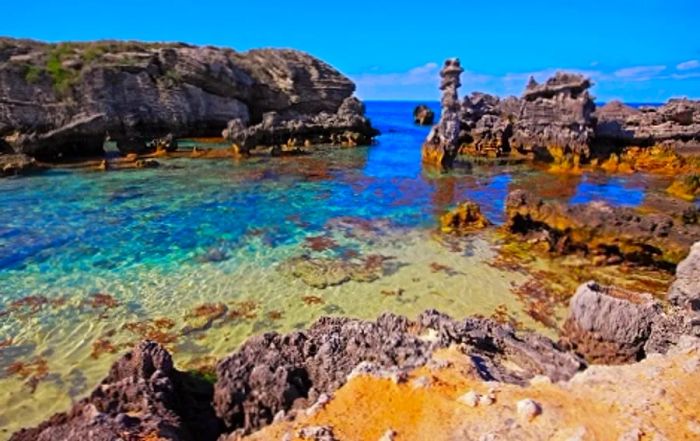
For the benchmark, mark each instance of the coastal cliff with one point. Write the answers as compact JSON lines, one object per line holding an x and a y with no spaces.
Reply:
{"x":60,"y":101}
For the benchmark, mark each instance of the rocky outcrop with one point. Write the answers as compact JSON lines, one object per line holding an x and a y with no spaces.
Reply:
{"x":555,"y":115}
{"x":676,"y":123}
{"x":18,"y":164}
{"x":63,"y":100}
{"x":486,"y":124}
{"x":347,"y":127}
{"x":143,"y":397}
{"x":602,"y":232}
{"x":274,"y":373}
{"x":463,"y":219}
{"x":685,"y":290}
{"x":442,"y":146}
{"x":423,"y":116}
{"x":608,"y":324}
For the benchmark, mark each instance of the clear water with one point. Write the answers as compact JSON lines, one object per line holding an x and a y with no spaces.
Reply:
{"x":163,"y":241}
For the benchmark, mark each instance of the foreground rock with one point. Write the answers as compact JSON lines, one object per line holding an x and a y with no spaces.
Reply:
{"x":143,"y":396}
{"x":610,"y":325}
{"x":645,"y":400}
{"x":423,"y":116}
{"x":273,"y":373}
{"x":63,"y":100}
{"x":602,"y":232}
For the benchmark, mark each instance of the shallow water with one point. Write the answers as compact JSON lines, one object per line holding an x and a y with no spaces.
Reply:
{"x":160,"y":242}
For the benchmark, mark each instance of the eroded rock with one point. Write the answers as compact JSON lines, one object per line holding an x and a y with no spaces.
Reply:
{"x":599,"y":230}
{"x":463,"y":219}
{"x":608,"y":324}
{"x":685,"y":290}
{"x":442,"y":144}
{"x":274,"y":372}
{"x":143,"y":396}
{"x":18,"y":164}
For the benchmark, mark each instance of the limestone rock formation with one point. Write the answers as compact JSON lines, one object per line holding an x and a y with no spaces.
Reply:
{"x":347,"y":127}
{"x":423,"y":116}
{"x":685,"y":290}
{"x":608,"y":324}
{"x":486,"y":124}
{"x":143,"y":396}
{"x":555,"y":115}
{"x":601,"y":231}
{"x":676,"y":123}
{"x":464,"y":218}
{"x":272,"y":372}
{"x":63,"y":100}
{"x":442,"y":145}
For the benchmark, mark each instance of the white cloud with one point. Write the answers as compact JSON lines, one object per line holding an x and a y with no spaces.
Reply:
{"x":687,"y":65}
{"x":639,"y":73}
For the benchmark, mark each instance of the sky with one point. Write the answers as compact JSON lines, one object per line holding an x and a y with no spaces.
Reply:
{"x":637,"y":51}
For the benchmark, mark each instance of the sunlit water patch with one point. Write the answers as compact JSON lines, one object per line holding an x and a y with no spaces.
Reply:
{"x":201,"y":254}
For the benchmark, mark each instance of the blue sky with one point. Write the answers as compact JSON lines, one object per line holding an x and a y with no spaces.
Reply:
{"x":643,"y":50}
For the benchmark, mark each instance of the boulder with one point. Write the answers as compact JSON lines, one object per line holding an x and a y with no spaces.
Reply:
{"x":423,"y":116}
{"x":685,"y":290}
{"x":609,"y":325}
{"x":464,"y":218}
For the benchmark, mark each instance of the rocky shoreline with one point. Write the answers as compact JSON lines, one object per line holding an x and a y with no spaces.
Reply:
{"x":278,"y":379}
{"x":62,"y":101}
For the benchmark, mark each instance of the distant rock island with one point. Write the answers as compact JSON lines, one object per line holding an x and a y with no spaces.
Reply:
{"x":61,"y":101}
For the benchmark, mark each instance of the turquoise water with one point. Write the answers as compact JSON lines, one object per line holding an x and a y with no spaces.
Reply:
{"x":158,"y":243}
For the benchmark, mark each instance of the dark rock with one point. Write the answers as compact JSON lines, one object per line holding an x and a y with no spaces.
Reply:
{"x":423,"y":116}
{"x":598,"y":229}
{"x":610,"y":325}
{"x":18,"y":164}
{"x":442,"y":145}
{"x":685,"y":290}
{"x":143,"y":395}
{"x":273,"y":372}
{"x":134,"y":93}
{"x":486,"y":128}
{"x":347,"y":127}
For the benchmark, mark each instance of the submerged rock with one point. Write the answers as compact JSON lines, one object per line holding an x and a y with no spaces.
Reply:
{"x":322,"y":272}
{"x":464,"y":218}
{"x":144,"y":95}
{"x":423,"y":116}
{"x":600,"y":230}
